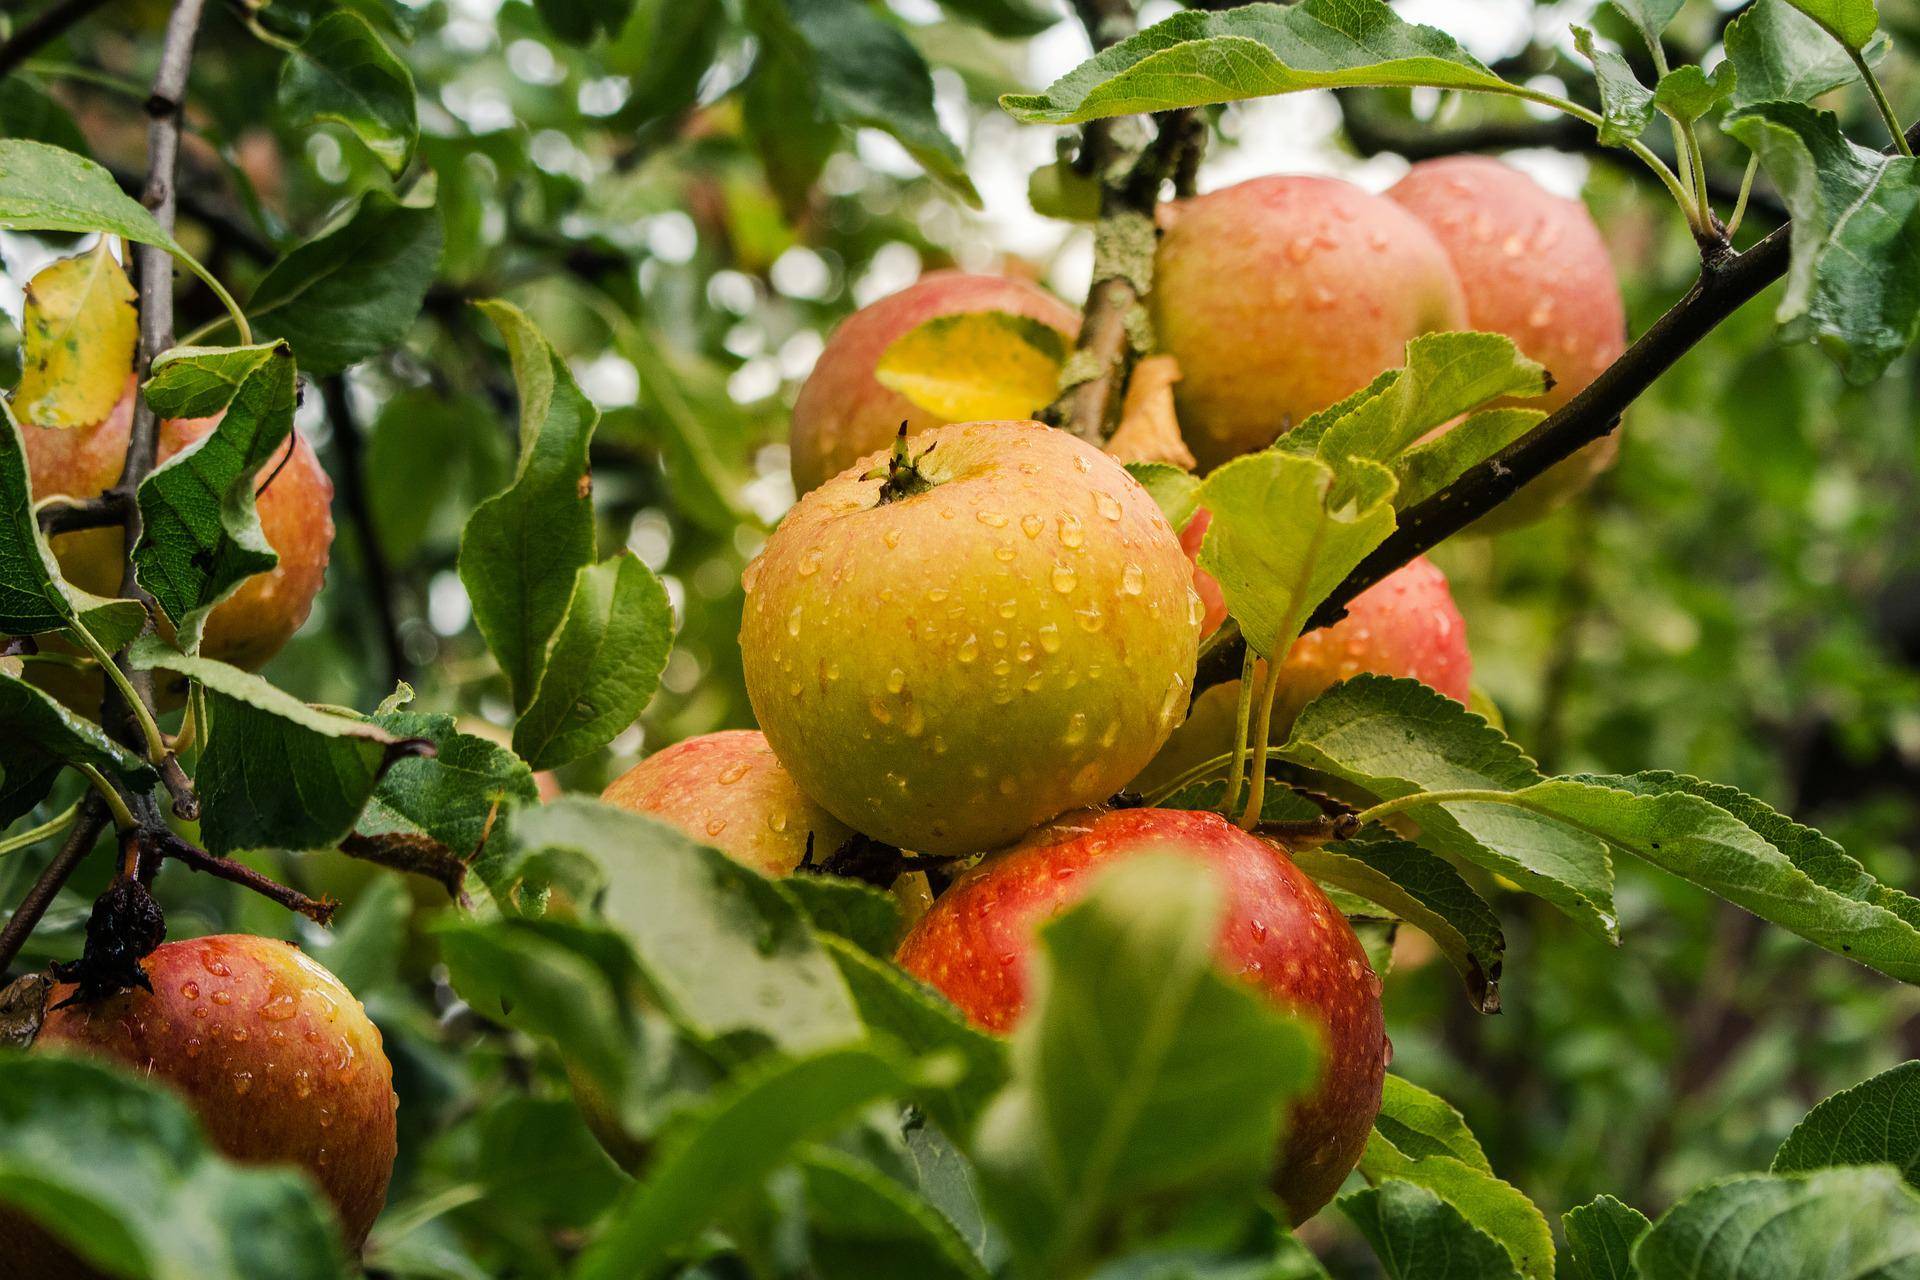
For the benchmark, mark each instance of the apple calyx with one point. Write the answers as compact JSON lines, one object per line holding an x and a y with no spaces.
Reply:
{"x":125,"y":927}
{"x":901,"y":477}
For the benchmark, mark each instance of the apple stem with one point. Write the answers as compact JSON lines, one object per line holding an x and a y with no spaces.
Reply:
{"x":902,"y":477}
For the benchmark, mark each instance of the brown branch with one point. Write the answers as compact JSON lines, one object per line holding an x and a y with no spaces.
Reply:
{"x":43,"y":29}
{"x":65,"y":515}
{"x":170,"y":845}
{"x":79,"y":843}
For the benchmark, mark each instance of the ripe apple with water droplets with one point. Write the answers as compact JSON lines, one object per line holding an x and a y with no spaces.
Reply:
{"x":729,"y":790}
{"x":953,"y":643}
{"x":276,"y":1056}
{"x":1279,"y":932}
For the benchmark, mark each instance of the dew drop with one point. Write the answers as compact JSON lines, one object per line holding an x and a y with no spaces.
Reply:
{"x":991,"y":519}
{"x":1090,"y":619}
{"x":191,"y":990}
{"x":1076,"y":730}
{"x":223,"y":997}
{"x":880,"y":711}
{"x":1063,"y":579}
{"x":1071,"y":534}
{"x":891,"y":537}
{"x":716,"y":825}
{"x":776,"y":822}
{"x":1031,"y":525}
{"x":896,"y":680}
{"x":936,"y":595}
{"x":1003,"y":554}
{"x":302,"y":1084}
{"x":793,"y":621}
{"x":1133,"y":580}
{"x":242,"y":1081}
{"x":809,"y":563}
{"x":969,"y":649}
{"x":733,"y":773}
{"x":1106,"y":506}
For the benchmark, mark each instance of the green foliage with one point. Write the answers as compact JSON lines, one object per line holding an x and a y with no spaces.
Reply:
{"x":1780,"y":55}
{"x":42,"y":738}
{"x":1600,"y":1239}
{"x":1847,"y":1221}
{"x":343,"y":73}
{"x":1420,"y":1236}
{"x":1875,"y":1122}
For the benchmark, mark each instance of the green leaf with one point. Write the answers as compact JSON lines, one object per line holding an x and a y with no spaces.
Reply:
{"x":1141,"y":1074}
{"x":1428,"y":893}
{"x":276,"y":773}
{"x":121,"y":1172}
{"x":1195,"y":59}
{"x":27,"y":112}
{"x":579,"y":21}
{"x":41,"y":738}
{"x":1495,"y":1207}
{"x":1427,"y":468}
{"x":665,"y":49}
{"x":1419,"y":1236}
{"x":862,"y":1223}
{"x":1600,"y":1239}
{"x":1419,"y":1124}
{"x":604,"y":664}
{"x":523,"y":547}
{"x":1851,"y":22}
{"x":353,"y":290}
{"x":1013,"y":19}
{"x":34,"y":598}
{"x":1876,"y":1122}
{"x":1781,"y":55}
{"x":364,"y":944}
{"x":344,"y":73}
{"x":43,"y":188}
{"x":1626,"y":105}
{"x":1854,"y":281}
{"x":430,"y":460}
{"x":893,"y":1005}
{"x":1177,"y":492}
{"x":976,"y":365}
{"x":453,"y":797}
{"x":867,"y":917}
{"x":1649,"y":17}
{"x":861,"y":72}
{"x":1687,"y":93}
{"x":716,"y":1158}
{"x":1837,"y":1222}
{"x":726,"y":954}
{"x":542,"y":1165}
{"x":1395,"y":738}
{"x":1286,"y":529}
{"x":201,"y":536}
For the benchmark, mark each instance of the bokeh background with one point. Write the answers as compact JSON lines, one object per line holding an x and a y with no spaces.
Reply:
{"x":1738,"y":599}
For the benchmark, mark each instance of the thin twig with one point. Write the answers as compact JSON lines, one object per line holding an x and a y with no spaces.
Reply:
{"x":318,"y":910}
{"x":64,"y":515}
{"x":351,"y":473}
{"x":43,"y":29}
{"x":1728,"y":280}
{"x":79,"y":843}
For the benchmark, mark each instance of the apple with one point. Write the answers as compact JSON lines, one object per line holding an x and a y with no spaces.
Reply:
{"x":1535,"y":268}
{"x":842,"y":413}
{"x":1280,"y":932}
{"x":1281,"y":295}
{"x":729,"y":790}
{"x":252,"y":624}
{"x":949,"y":645}
{"x":1404,"y":625}
{"x":277,"y":1058}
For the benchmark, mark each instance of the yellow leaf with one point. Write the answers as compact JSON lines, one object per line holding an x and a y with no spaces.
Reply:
{"x":975,"y":366}
{"x":79,"y":331}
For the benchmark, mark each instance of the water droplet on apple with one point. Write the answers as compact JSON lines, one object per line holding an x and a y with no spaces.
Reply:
{"x":896,"y":680}
{"x":969,"y":649}
{"x":191,"y":990}
{"x":242,"y":1081}
{"x":1063,"y":579}
{"x":1133,"y":579}
{"x":1031,"y":525}
{"x":1050,"y":637}
{"x":1106,"y":506}
{"x":793,"y":622}
{"x":733,"y":773}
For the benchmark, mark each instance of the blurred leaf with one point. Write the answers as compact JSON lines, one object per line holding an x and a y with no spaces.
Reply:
{"x":42,"y":737}
{"x":1836,"y":1222}
{"x":579,"y":21}
{"x":1854,"y":283}
{"x":1420,"y":1124}
{"x":1194,"y":59}
{"x":862,"y":1223}
{"x":78,"y":330}
{"x":1600,"y":1239}
{"x":727,"y":955}
{"x":1141,"y":1074}
{"x":1491,"y":1205}
{"x":975,"y":366}
{"x":1427,"y":892}
{"x":1687,"y":93}
{"x":793,"y":144}
{"x":867,"y":917}
{"x":1012,"y":18}
{"x":1649,"y":17}
{"x":1876,"y":1122}
{"x":686,"y":402}
{"x":1419,"y":1236}
{"x":200,"y":536}
{"x":716,"y":1157}
{"x":1397,"y":737}
{"x":667,"y":47}
{"x":353,"y":290}
{"x":1780,"y":55}
{"x":276,"y":773}
{"x":862,"y":72}
{"x":1176,"y":492}
{"x":364,"y":945}
{"x":27,"y":112}
{"x":894,"y":1005}
{"x":456,"y":795}
{"x":1851,"y":22}
{"x":430,"y":460}
{"x":604,"y":664}
{"x":1058,"y":190}
{"x":1271,"y":1255}
{"x":344,"y":73}
{"x":542,"y":1164}
{"x":523,"y":546}
{"x":1626,"y":105}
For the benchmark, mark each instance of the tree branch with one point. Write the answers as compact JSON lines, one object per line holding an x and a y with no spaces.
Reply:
{"x":79,"y":843}
{"x":169,"y":845}
{"x":43,"y":29}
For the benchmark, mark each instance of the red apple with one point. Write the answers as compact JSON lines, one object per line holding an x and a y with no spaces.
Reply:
{"x":843,"y":413}
{"x":1281,"y":295}
{"x":949,"y":647}
{"x":277,"y":1058}
{"x":1535,"y":268}
{"x":728,"y":790}
{"x":1280,"y":933}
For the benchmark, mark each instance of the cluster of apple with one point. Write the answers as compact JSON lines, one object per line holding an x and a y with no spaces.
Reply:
{"x":968,"y":639}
